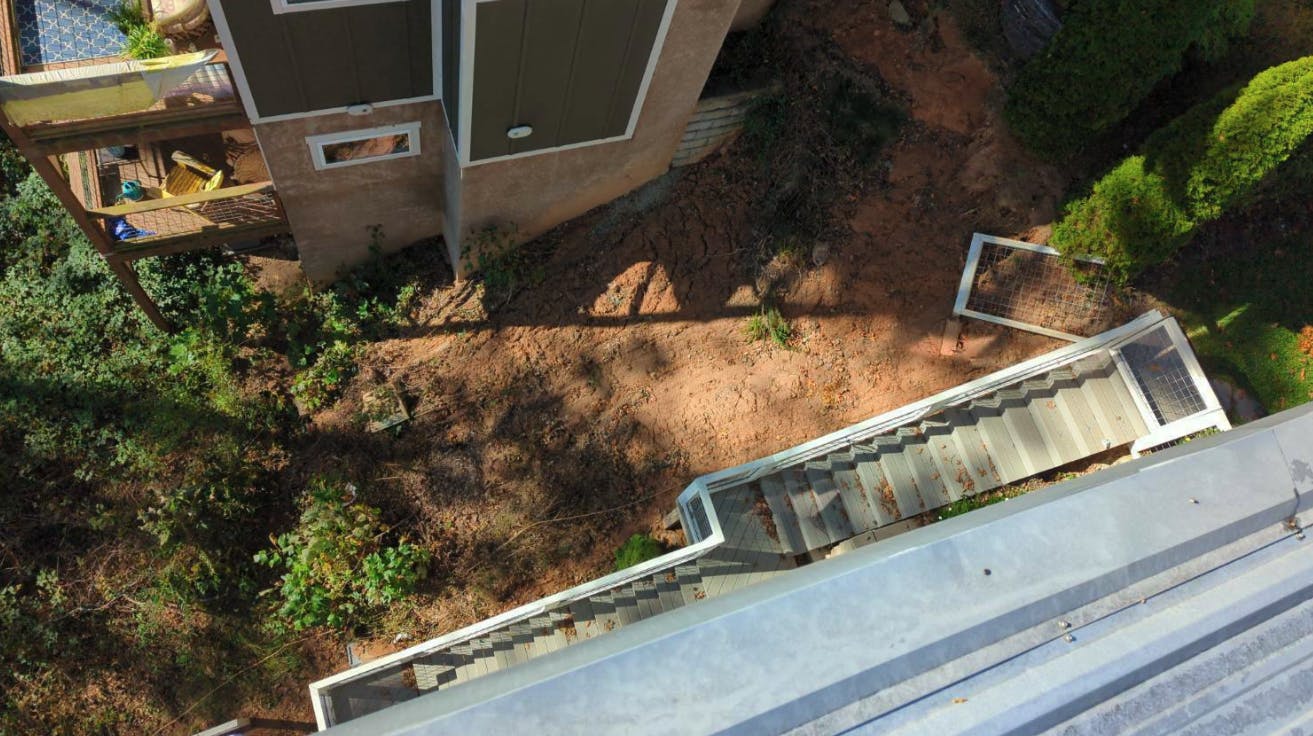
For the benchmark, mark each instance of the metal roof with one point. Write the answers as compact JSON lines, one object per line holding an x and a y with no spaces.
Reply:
{"x":1169,"y":593}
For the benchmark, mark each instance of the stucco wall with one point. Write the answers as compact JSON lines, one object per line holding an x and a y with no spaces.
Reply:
{"x":331,"y":212}
{"x":540,"y":191}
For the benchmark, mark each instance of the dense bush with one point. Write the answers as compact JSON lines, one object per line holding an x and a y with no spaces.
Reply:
{"x":1205,"y":163}
{"x":1107,"y":58}
{"x":638,"y":549}
{"x":335,"y":570}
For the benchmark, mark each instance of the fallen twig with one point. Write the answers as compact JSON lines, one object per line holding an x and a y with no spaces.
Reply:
{"x":541,"y":522}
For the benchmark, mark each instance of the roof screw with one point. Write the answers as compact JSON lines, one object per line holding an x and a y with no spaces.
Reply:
{"x":1069,"y":638}
{"x":1194,"y":501}
{"x":988,"y":571}
{"x":1064,"y":624}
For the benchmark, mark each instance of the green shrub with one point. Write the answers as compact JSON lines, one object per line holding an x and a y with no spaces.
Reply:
{"x":636,"y":550}
{"x":335,"y":570}
{"x":321,"y":384}
{"x":1108,"y":56}
{"x":1205,"y":163}
{"x":127,"y":15}
{"x":1130,"y":220}
{"x":144,"y":42}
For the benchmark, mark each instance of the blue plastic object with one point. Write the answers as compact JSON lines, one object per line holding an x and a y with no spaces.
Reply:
{"x":133,"y":192}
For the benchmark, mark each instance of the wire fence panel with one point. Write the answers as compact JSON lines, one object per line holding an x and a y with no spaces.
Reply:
{"x":1030,"y":287}
{"x":235,"y":213}
{"x":1162,"y":376}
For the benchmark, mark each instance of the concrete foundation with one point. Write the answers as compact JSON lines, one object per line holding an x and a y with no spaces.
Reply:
{"x":338,"y":214}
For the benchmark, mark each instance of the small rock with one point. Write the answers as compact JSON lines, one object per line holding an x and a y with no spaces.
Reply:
{"x":820,"y":254}
{"x":899,"y":14}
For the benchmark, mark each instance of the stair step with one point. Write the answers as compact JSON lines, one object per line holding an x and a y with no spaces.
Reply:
{"x":502,"y":651}
{"x":835,"y":517}
{"x":973,"y":451}
{"x":1026,"y":436}
{"x":853,"y":495}
{"x":884,"y":504}
{"x":626,"y":606}
{"x":926,"y":473}
{"x":1107,"y":391}
{"x":1064,"y":438}
{"x":952,"y":468}
{"x":604,"y":612}
{"x":787,"y":529}
{"x":810,"y":523}
{"x":645,"y":594}
{"x":1007,"y":463}
{"x":1093,"y":426}
{"x":433,"y":672}
{"x":901,"y":478}
{"x":586,"y":625}
{"x":667,"y":587}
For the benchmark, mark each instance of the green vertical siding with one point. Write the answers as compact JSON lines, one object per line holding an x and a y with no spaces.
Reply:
{"x":451,"y":30}
{"x":320,"y":59}
{"x":571,"y":69}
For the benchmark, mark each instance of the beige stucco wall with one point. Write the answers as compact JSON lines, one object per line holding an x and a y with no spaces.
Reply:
{"x":331,"y":212}
{"x":538,"y":192}
{"x":750,"y":14}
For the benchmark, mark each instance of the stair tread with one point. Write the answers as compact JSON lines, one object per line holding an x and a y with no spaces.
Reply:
{"x":854,"y":498}
{"x":1065,"y":438}
{"x":787,"y":529}
{"x":973,"y":451}
{"x":901,"y":480}
{"x":833,"y":514}
{"x":1089,"y":435}
{"x":1007,"y":463}
{"x":1108,"y":393}
{"x":1026,"y":437}
{"x":810,"y":524}
{"x":948,"y":458}
{"x":884,"y":504}
{"x":667,"y":586}
{"x":926,"y":473}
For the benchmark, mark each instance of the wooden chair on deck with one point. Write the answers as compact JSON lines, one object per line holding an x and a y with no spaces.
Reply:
{"x":189,"y":176}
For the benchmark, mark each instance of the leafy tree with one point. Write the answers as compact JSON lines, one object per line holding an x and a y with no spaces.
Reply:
{"x":1208,"y":161}
{"x":1108,"y":56}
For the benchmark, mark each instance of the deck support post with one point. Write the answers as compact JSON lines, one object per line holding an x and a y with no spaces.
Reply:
{"x":47,"y":170}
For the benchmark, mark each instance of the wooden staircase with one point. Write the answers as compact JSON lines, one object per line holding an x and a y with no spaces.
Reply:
{"x":1037,"y":425}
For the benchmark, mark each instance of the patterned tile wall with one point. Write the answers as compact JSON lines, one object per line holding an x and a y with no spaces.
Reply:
{"x":52,"y":31}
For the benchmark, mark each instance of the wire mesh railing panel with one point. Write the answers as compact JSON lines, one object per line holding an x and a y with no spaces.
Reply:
{"x":1162,"y":376}
{"x":698,"y":518}
{"x":234,"y":213}
{"x":1036,"y":288}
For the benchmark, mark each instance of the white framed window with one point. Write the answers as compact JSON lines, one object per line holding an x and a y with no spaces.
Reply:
{"x":296,"y":6}
{"x":351,"y":147}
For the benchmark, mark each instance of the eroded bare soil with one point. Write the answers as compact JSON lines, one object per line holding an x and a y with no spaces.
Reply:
{"x":549,"y":428}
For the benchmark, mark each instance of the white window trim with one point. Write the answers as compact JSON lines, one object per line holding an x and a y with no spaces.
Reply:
{"x":283,"y":6}
{"x":317,"y":143}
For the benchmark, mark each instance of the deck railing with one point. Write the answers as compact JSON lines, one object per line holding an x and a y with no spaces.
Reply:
{"x":207,"y":100}
{"x":150,"y":227}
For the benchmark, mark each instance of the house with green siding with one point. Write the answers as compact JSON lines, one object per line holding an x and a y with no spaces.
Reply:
{"x":361,"y":124}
